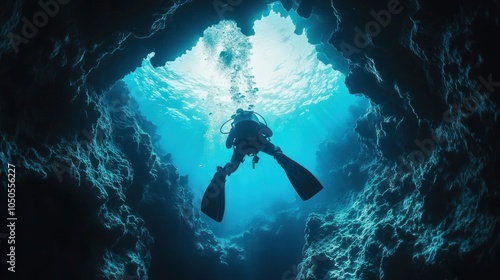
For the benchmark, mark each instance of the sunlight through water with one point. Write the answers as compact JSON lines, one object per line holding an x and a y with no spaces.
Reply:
{"x":276,"y":73}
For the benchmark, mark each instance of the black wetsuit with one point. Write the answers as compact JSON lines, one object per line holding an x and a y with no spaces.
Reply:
{"x":249,"y":137}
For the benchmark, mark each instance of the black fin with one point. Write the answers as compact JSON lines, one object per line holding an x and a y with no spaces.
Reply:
{"x":214,"y":199}
{"x":304,"y":182}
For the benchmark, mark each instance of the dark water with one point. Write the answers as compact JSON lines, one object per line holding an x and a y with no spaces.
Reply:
{"x":110,"y":126}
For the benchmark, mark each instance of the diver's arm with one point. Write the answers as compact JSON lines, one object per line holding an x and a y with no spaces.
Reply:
{"x":266,"y":130}
{"x":230,"y":138}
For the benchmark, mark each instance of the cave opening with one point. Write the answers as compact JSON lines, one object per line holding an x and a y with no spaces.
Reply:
{"x":275,"y":72}
{"x":94,"y":147}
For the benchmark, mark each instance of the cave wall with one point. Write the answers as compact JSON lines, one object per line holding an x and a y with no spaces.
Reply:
{"x":428,"y":209}
{"x":86,"y":158}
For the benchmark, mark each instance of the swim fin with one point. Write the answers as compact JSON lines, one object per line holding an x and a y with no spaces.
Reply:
{"x":303,"y":181}
{"x":214,"y":199}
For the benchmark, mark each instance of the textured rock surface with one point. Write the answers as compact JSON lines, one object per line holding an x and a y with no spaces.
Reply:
{"x":422,"y":194}
{"x":429,"y":208}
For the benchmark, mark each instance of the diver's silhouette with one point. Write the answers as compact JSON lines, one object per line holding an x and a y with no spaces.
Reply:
{"x":248,"y":136}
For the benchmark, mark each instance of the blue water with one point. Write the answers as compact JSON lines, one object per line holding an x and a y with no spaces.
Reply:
{"x":277,"y":74}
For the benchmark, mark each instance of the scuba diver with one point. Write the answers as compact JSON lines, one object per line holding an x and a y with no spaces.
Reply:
{"x":248,"y":136}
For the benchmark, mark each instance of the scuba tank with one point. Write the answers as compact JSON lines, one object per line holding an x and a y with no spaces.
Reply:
{"x":246,"y":124}
{"x":243,"y":117}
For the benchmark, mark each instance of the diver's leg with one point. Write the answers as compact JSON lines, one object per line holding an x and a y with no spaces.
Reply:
{"x":274,"y":151}
{"x":236,"y":159}
{"x":271,"y":149}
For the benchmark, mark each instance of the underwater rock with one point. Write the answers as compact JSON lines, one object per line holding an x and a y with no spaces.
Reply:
{"x":422,"y":188}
